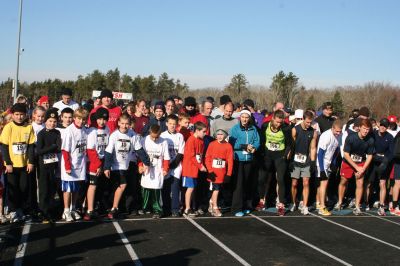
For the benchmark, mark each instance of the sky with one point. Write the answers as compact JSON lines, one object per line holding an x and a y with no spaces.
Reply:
{"x":204,"y":43}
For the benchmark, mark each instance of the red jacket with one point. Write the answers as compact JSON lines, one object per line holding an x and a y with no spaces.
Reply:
{"x":219,"y":160}
{"x":192,"y":158}
{"x":185,"y":132}
{"x":114,"y":114}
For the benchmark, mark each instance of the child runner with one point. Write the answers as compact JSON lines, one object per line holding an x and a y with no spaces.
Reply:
{"x":117,"y":157}
{"x":176,"y":146}
{"x":192,"y":164}
{"x":153,"y":179}
{"x":184,"y":120}
{"x":97,"y":142}
{"x":48,"y":146}
{"x":73,"y":163}
{"x":219,"y":162}
{"x":17,"y":141}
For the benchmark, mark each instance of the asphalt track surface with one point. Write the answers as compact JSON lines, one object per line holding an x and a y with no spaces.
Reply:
{"x":258,"y":239}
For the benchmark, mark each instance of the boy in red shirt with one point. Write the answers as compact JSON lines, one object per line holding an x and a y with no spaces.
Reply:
{"x":183,"y":124}
{"x":192,"y":163}
{"x":219,"y":162}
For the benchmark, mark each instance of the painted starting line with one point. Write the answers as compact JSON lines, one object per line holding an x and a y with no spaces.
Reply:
{"x":135,"y":259}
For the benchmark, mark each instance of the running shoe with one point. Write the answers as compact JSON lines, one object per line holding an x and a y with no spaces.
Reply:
{"x":352,"y":204}
{"x":239,"y":214}
{"x":376,"y":205}
{"x":247,"y":211}
{"x":88,"y":216}
{"x":392,"y":210}
{"x":357,"y":211}
{"x":200,"y":212}
{"x":317,"y":205}
{"x":216,"y":212}
{"x":175,"y":214}
{"x":189,"y":213}
{"x":324,"y":212}
{"x":305,"y":210}
{"x":292,"y":207}
{"x":260,"y":206}
{"x":112,"y":214}
{"x":67,"y":216}
{"x":396,"y":211}
{"x":75,"y":215}
{"x":157,"y":215}
{"x":301,"y":205}
{"x":140,"y":212}
{"x":14,"y":218}
{"x":381,"y":211}
{"x":338,"y":207}
{"x":210,"y":207}
{"x":367,"y":208}
{"x":281,"y":210}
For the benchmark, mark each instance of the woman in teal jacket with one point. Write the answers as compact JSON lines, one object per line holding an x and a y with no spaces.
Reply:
{"x":245,"y":141}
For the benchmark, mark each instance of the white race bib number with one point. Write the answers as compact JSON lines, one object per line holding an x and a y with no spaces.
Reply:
{"x":218,"y":163}
{"x":273,"y":146}
{"x":50,"y":158}
{"x":355,"y":158}
{"x":245,"y":152}
{"x":300,"y":158}
{"x":19,"y":148}
{"x":198,"y":158}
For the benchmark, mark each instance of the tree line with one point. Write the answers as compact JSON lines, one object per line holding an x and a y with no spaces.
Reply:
{"x":381,"y":98}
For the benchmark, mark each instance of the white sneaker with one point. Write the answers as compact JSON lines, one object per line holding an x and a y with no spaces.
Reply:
{"x":292,"y":207}
{"x":75,"y":215}
{"x":352,"y":203}
{"x":305,"y":211}
{"x":376,"y":204}
{"x":14,"y":217}
{"x":357,"y":211}
{"x":301,"y":205}
{"x":67,"y":216}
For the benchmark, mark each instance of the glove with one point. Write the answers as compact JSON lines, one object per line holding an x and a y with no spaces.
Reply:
{"x":227,"y":179}
{"x":212,"y":176}
{"x":323,"y":176}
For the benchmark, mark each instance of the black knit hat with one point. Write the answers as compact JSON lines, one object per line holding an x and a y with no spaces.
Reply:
{"x":159,"y":105}
{"x":190,"y":101}
{"x":51,"y":113}
{"x":101,"y":113}
{"x":106,"y":93}
{"x":19,"y":107}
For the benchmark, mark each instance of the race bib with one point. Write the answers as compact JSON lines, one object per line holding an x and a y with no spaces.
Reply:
{"x":218,"y":163}
{"x":300,"y":158}
{"x":273,"y":146}
{"x":154,"y":160}
{"x":355,"y":158}
{"x":19,"y":148}
{"x":198,"y":158}
{"x":245,"y":152}
{"x":50,"y":158}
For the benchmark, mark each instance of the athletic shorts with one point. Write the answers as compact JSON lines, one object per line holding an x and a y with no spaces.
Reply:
{"x":347,"y":171}
{"x":189,"y":182}
{"x":215,"y":187}
{"x":396,"y":175}
{"x":70,"y":186}
{"x":93,"y":180}
{"x":118,"y":177}
{"x":299,"y":172}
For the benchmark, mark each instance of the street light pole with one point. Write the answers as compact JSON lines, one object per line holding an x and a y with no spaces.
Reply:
{"x":18,"y":51}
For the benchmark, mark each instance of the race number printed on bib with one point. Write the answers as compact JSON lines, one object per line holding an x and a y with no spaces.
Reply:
{"x":273,"y":146}
{"x":50,"y":158}
{"x":300,"y":158}
{"x":218,"y":163}
{"x":19,"y":148}
{"x":355,"y":158}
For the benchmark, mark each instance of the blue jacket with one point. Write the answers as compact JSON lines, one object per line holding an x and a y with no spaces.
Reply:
{"x":239,"y":137}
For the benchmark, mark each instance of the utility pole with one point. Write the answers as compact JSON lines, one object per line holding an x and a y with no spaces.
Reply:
{"x":18,"y":51}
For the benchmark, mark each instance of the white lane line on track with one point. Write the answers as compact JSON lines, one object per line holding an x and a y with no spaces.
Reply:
{"x":19,"y":256}
{"x":381,"y":218}
{"x":301,"y":240}
{"x":128,"y":246}
{"x":357,"y":232}
{"x":219,"y":243}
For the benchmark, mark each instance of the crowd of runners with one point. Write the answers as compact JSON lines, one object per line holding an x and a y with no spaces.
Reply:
{"x":106,"y":159}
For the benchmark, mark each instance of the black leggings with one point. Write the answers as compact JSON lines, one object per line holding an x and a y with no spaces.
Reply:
{"x":274,"y":166}
{"x":241,"y":185}
{"x":47,"y":187}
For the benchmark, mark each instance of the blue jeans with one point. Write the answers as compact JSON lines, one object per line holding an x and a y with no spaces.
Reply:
{"x":170,"y":194}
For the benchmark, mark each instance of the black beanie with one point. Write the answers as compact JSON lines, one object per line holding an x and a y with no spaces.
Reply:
{"x":190,"y":101}
{"x":19,"y":107}
{"x":101,"y":113}
{"x":51,"y":113}
{"x":106,"y":93}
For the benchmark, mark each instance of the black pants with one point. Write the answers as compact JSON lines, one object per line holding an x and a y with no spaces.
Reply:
{"x":242,"y":185}
{"x":18,"y":188}
{"x":274,"y":166}
{"x":200,"y":196}
{"x":47,"y":187}
{"x":132,"y":194}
